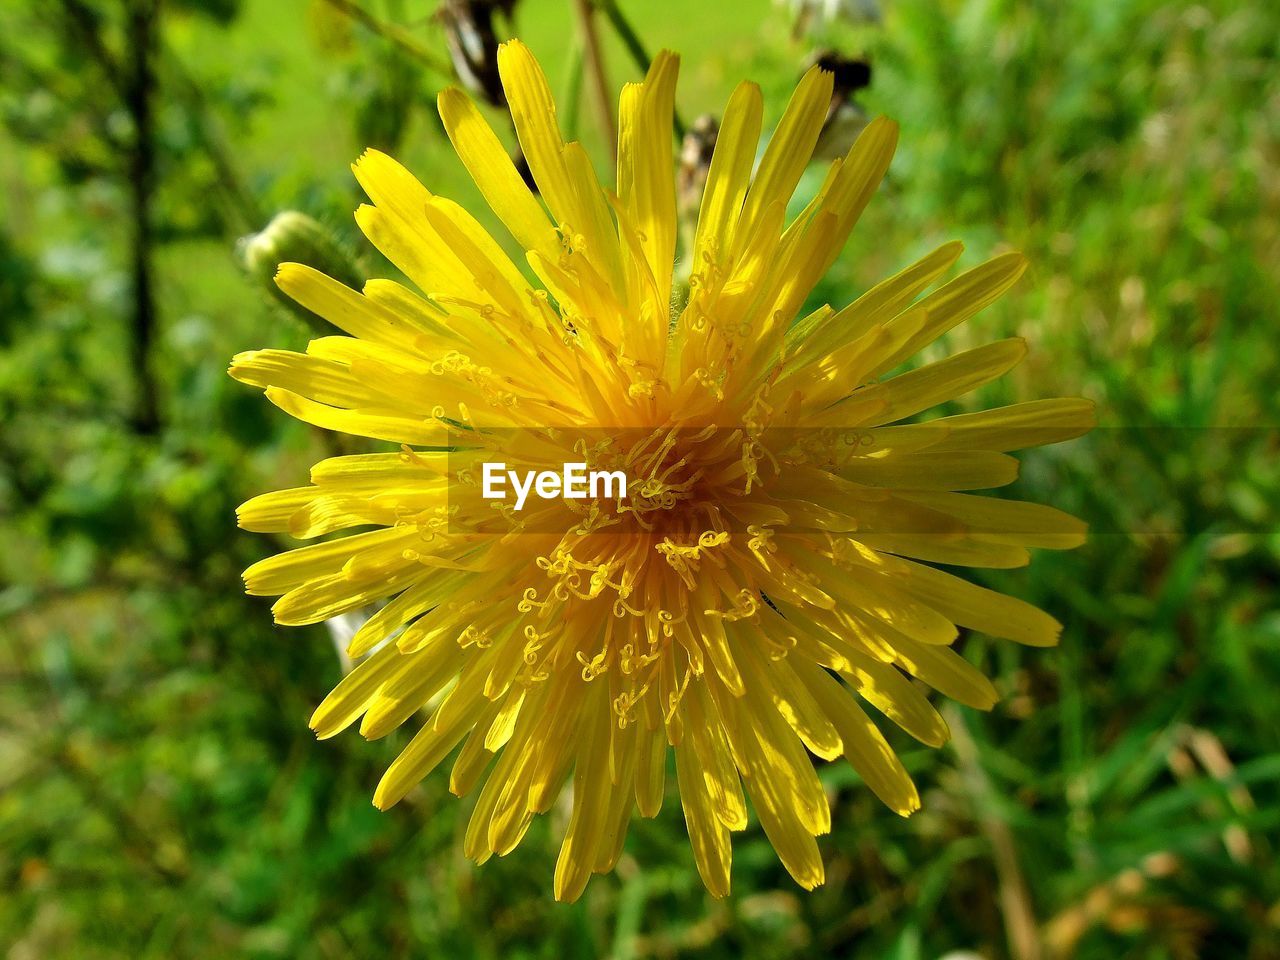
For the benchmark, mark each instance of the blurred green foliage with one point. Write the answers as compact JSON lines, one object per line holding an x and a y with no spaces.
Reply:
{"x":162,"y":795}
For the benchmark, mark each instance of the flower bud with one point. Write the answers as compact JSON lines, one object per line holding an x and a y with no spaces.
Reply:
{"x":293,"y":237}
{"x":845,"y":116}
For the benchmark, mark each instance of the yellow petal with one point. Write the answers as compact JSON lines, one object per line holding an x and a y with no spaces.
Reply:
{"x":719,"y":776}
{"x":893,"y":694}
{"x":895,"y":608}
{"x":324,"y":381}
{"x":404,"y":609}
{"x":646,"y":183}
{"x":504,"y":722}
{"x":592,"y":206}
{"x":947,"y":672}
{"x":858,"y":179}
{"x":429,"y":320}
{"x":777,"y":680}
{"x":978,"y":608}
{"x":849,"y":187}
{"x":328,"y":513}
{"x":270,"y":512}
{"x":423,"y":754}
{"x":284,"y":571}
{"x":613,"y":832}
{"x":424,"y":261}
{"x":775,"y":756}
{"x":329,"y":597}
{"x":716,"y":642}
{"x":883,"y":301}
{"x":957,"y":470}
{"x":1008,"y":521}
{"x":397,"y":227}
{"x":864,"y":745}
{"x":788,"y":153}
{"x":777,"y":806}
{"x":344,"y":307}
{"x":830,"y":378}
{"x":591,"y":794}
{"x":481,"y":256}
{"x":950,"y":378}
{"x":376,"y":470}
{"x":707,"y":835}
{"x":407,"y":693}
{"x":511,"y":814}
{"x":729,"y":174}
{"x":555,"y":750}
{"x":475,"y":843}
{"x":472,"y":759}
{"x":960,"y":551}
{"x":378,"y":424}
{"x":651,"y":769}
{"x":533,"y":110}
{"x":493,"y":172}
{"x":351,"y":697}
{"x":1020,"y":425}
{"x":959,"y":300}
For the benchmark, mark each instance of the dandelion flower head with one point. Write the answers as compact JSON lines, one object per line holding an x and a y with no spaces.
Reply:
{"x":769,"y":569}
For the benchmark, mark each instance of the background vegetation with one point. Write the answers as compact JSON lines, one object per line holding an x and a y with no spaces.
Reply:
{"x":161,"y":794}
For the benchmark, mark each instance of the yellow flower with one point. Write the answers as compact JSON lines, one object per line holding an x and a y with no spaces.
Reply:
{"x":761,"y":573}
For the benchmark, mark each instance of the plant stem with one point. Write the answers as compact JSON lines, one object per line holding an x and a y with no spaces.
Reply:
{"x":572,"y":92}
{"x":84,"y":21}
{"x":139,"y":89}
{"x":395,"y":34}
{"x":593,"y":62}
{"x":240,"y":198}
{"x":1021,"y":929}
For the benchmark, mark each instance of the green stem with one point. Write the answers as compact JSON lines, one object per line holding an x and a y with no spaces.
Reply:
{"x":593,"y":67}
{"x":239,"y":196}
{"x":572,"y":92}
{"x":395,"y":34}
{"x":143,"y":36}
